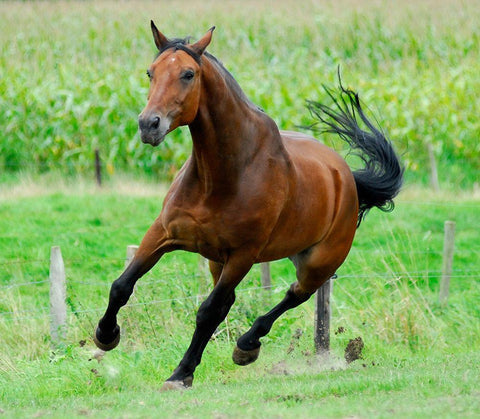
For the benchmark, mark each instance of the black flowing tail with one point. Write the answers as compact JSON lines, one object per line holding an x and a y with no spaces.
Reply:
{"x":382,"y":177}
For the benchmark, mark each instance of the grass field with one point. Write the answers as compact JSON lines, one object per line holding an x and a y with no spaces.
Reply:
{"x":72,"y":79}
{"x":73,"y":76}
{"x":419,"y":360}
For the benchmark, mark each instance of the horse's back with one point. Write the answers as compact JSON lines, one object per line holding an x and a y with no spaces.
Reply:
{"x":304,"y":149}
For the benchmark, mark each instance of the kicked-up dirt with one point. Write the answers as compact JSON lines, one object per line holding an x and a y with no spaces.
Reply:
{"x":353,"y":350}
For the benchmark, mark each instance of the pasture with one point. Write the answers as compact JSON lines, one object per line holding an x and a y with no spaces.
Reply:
{"x":72,"y":80}
{"x":419,"y":360}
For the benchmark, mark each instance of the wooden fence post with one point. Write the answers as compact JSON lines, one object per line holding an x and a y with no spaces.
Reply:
{"x":322,"y":317}
{"x":203,"y":266}
{"x":433,"y":169}
{"x":448,"y":246}
{"x":98,"y":168}
{"x":266,"y":278}
{"x":58,"y":293}
{"x":131,"y":250}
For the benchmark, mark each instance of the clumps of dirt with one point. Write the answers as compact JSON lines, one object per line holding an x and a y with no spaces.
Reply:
{"x":316,"y":363}
{"x":280,"y":368}
{"x":353,"y":351}
{"x":308,"y":364}
{"x":294,"y":342}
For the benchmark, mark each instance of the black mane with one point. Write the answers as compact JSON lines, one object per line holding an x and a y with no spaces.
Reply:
{"x":232,"y":82}
{"x":181,"y":44}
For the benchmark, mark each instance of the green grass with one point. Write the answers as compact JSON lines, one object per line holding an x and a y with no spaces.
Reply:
{"x":72,"y":76}
{"x":72,"y":79}
{"x":438,"y":387}
{"x":420,"y":359}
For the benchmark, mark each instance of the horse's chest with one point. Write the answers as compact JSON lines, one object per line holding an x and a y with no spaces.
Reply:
{"x":205,"y":227}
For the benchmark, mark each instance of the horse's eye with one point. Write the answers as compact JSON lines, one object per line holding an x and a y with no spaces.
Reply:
{"x":149,"y":74}
{"x":188,"y":75}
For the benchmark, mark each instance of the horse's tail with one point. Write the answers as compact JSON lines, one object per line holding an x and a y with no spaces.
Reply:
{"x":381,"y":178}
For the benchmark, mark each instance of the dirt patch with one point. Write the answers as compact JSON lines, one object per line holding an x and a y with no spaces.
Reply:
{"x":295,"y":339}
{"x":353,"y":351}
{"x":308,"y":364}
{"x":280,"y":368}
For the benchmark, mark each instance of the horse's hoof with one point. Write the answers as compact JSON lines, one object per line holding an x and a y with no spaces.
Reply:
{"x":97,"y":338}
{"x":177,"y":384}
{"x":241,"y":357}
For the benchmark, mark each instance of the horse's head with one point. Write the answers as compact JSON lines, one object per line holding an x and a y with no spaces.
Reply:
{"x":174,"y":94}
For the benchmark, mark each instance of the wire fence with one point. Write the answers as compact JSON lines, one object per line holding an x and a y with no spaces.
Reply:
{"x":457,"y":273}
{"x":44,"y":312}
{"x":353,"y":251}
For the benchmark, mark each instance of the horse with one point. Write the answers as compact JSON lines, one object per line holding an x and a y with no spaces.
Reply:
{"x":249,"y":193}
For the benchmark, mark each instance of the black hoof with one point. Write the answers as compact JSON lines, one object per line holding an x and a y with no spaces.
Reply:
{"x":241,"y":357}
{"x":99,"y":338}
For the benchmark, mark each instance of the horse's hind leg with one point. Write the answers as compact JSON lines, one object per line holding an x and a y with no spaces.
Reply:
{"x":311,"y":274}
{"x":215,"y":270}
{"x":248,"y":345}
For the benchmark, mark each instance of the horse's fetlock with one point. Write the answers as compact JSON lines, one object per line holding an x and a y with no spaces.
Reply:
{"x":248,"y":343}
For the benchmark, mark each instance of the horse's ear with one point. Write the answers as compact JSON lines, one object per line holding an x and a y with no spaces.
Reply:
{"x":202,"y":43}
{"x":160,"y":39}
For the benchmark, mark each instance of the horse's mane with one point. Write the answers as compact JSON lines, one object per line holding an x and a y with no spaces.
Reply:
{"x":232,"y":83}
{"x":180,"y":43}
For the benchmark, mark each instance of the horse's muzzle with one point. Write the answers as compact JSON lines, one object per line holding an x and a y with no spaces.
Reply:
{"x":153,"y":128}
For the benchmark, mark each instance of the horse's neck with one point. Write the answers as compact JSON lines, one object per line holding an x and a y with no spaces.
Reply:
{"x":227,"y":134}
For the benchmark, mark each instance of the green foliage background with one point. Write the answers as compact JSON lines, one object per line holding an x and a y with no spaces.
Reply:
{"x":72,"y":76}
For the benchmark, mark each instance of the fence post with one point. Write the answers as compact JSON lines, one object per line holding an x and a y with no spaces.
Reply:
{"x":203,"y":266}
{"x":98,"y":168}
{"x":58,"y":293}
{"x":131,"y":250}
{"x":433,"y":168}
{"x":448,"y":246}
{"x":322,"y":317}
{"x":266,"y":278}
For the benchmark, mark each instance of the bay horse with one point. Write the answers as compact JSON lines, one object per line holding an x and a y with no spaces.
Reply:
{"x":249,"y":193}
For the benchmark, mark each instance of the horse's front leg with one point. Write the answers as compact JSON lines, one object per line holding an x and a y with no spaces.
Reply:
{"x":151,"y":249}
{"x":210,"y":314}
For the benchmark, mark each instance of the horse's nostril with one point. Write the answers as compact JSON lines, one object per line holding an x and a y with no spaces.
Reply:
{"x":155,"y":122}
{"x":148,"y":123}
